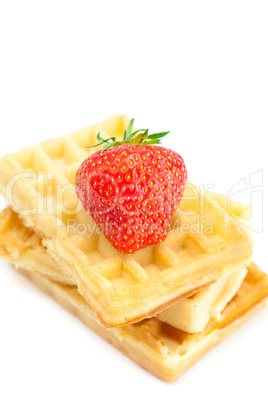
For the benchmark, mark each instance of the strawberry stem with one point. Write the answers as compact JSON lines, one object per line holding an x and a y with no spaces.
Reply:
{"x":139,"y":137}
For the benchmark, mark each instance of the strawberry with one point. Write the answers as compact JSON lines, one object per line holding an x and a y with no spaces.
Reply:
{"x":132,"y":188}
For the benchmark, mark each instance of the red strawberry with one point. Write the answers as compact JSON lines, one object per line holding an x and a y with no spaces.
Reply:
{"x":132,"y":189}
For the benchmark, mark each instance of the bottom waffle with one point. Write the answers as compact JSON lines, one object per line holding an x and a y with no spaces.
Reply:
{"x":158,"y":347}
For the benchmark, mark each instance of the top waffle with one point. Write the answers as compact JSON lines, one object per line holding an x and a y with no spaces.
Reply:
{"x":203,"y":244}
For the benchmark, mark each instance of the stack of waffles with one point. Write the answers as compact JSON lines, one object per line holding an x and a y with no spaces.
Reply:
{"x":164,"y":306}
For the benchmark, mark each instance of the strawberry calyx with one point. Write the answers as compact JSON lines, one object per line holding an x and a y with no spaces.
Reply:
{"x":138,"y":137}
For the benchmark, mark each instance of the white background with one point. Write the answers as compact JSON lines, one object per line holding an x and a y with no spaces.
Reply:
{"x":198,"y":69}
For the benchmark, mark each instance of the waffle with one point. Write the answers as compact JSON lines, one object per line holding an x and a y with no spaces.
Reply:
{"x":38,"y":183}
{"x":158,"y":347}
{"x":22,"y":248}
{"x":193,"y":313}
{"x":237,"y":210}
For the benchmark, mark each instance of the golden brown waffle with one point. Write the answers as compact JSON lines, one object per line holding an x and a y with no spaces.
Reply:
{"x":157,"y":347}
{"x":22,"y":247}
{"x":203,"y":244}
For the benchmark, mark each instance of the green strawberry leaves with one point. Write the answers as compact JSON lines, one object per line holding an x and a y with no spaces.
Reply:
{"x":138,"y":137}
